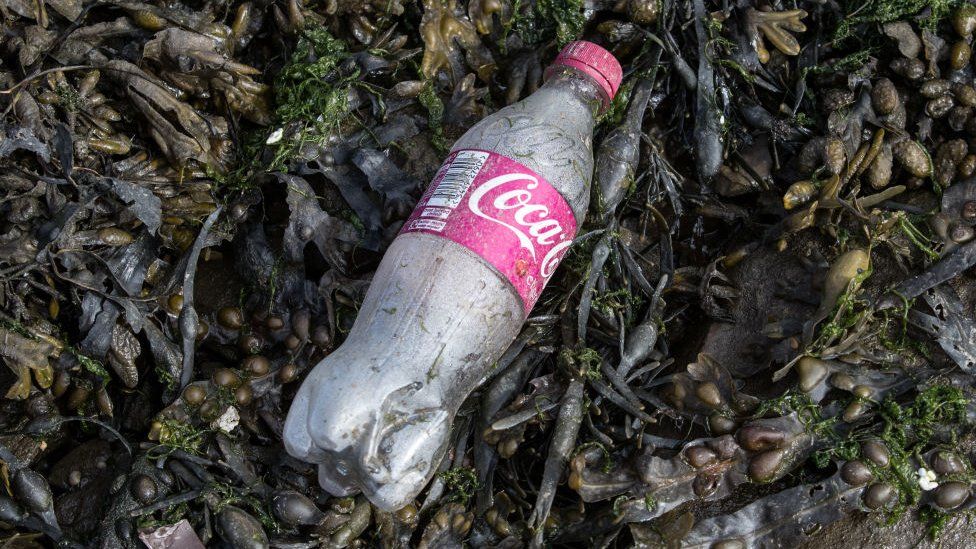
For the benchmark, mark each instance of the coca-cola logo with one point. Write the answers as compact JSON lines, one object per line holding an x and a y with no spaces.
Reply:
{"x":530,"y":222}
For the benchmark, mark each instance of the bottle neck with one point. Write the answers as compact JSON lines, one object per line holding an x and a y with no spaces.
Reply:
{"x":581,"y":86}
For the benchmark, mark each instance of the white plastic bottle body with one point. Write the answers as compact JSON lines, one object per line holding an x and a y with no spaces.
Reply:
{"x":376,"y":413}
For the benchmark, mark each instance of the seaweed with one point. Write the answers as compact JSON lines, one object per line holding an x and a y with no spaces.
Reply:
{"x":539,"y":21}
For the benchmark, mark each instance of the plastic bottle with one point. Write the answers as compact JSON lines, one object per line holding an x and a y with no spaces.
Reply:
{"x":454,"y":287}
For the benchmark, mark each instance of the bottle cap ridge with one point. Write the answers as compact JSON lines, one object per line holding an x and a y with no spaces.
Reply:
{"x":595,"y":61}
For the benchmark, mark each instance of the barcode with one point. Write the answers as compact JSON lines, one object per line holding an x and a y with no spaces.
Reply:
{"x":457,"y":177}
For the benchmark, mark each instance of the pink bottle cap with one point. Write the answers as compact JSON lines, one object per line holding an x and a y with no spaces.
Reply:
{"x":595,"y":61}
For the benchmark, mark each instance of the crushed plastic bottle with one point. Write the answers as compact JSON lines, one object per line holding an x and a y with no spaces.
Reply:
{"x":454,"y":287}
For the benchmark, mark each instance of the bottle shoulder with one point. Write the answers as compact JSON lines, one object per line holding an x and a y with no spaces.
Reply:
{"x":547,"y":134}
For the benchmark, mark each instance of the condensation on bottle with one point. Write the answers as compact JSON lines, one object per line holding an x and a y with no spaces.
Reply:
{"x":454,"y":287}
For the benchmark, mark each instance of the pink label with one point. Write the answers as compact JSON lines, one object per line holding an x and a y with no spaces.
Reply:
{"x":502,"y":211}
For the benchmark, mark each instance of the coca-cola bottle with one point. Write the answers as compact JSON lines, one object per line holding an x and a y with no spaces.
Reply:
{"x":454,"y":287}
